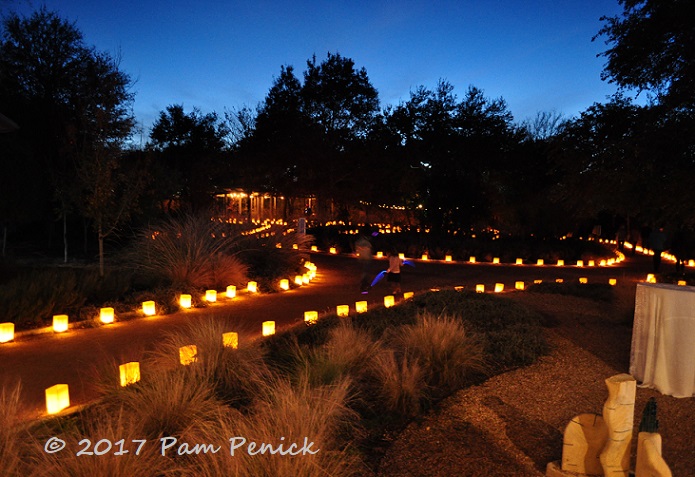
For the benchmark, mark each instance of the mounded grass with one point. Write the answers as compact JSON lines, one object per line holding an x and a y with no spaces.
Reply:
{"x":445,"y":352}
{"x":190,"y":251}
{"x":12,"y":442}
{"x":119,"y":428}
{"x":339,"y":384}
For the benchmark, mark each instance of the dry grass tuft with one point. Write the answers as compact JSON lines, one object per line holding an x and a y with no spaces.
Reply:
{"x":119,"y":429}
{"x":440,"y":345}
{"x":345,"y":353}
{"x":401,"y":383}
{"x":168,"y":403}
{"x":11,"y":438}
{"x":288,"y":413}
{"x":191,"y":251}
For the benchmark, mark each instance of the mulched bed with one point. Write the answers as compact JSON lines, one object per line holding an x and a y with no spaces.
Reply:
{"x":512,"y":424}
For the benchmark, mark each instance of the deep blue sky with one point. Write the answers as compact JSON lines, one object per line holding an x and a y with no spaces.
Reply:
{"x":222,"y":55}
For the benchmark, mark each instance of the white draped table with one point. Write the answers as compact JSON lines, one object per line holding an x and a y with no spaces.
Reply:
{"x":663,"y":338}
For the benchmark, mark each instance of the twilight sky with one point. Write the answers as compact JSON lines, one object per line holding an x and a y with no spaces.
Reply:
{"x":221,"y":55}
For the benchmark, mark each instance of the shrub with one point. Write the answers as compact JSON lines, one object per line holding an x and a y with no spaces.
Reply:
{"x":236,"y":375}
{"x":518,"y":344}
{"x":344,"y":354}
{"x":267,"y":265}
{"x":169,"y":402}
{"x":31,"y":299}
{"x":511,"y":333}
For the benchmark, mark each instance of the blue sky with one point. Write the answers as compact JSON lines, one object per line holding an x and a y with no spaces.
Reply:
{"x":223,"y":55}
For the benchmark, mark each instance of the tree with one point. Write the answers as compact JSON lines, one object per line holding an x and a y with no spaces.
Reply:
{"x":460,"y":147}
{"x":544,"y":125}
{"x":340,"y":98}
{"x":70,"y":100}
{"x":190,"y":156}
{"x":341,"y":102}
{"x":652,"y":48}
{"x":279,"y":147}
{"x":310,"y":138}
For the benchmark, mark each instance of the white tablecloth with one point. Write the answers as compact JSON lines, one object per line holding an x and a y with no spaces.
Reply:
{"x":663,"y":338}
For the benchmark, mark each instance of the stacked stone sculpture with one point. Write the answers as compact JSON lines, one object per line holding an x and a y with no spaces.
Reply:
{"x":599,"y":445}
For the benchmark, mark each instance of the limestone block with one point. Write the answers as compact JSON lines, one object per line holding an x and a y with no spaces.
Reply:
{"x":650,"y":463}
{"x":584,"y":438}
{"x":618,"y":414}
{"x":553,"y":469}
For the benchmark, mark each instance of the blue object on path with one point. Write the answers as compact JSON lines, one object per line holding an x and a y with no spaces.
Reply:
{"x":378,"y":277}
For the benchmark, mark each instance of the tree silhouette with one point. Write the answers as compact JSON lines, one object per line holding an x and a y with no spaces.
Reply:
{"x":70,"y":100}
{"x":189,"y":155}
{"x":652,"y":48}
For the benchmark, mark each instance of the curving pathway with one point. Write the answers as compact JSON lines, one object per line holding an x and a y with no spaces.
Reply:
{"x":41,"y":361}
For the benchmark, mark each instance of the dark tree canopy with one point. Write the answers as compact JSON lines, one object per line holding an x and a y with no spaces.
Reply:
{"x":340,"y":97}
{"x":652,"y":48}
{"x":189,"y":159}
{"x":72,"y":104}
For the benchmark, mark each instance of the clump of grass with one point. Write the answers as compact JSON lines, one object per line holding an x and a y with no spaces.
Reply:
{"x":169,"y":402}
{"x":511,"y":334}
{"x":236,"y":375}
{"x":445,"y":352}
{"x":287,"y":413}
{"x":11,"y":439}
{"x":344,"y":353}
{"x":190,"y":251}
{"x":120,"y":430}
{"x":400,"y":383}
{"x":31,"y":299}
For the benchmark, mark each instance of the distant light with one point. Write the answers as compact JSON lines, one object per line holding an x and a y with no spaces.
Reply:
{"x":149,"y":308}
{"x":230,"y":339}
{"x":60,"y":323}
{"x":129,"y":373}
{"x":106,"y":315}
{"x":311,"y":317}
{"x":185,"y":301}
{"x":268,"y":328}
